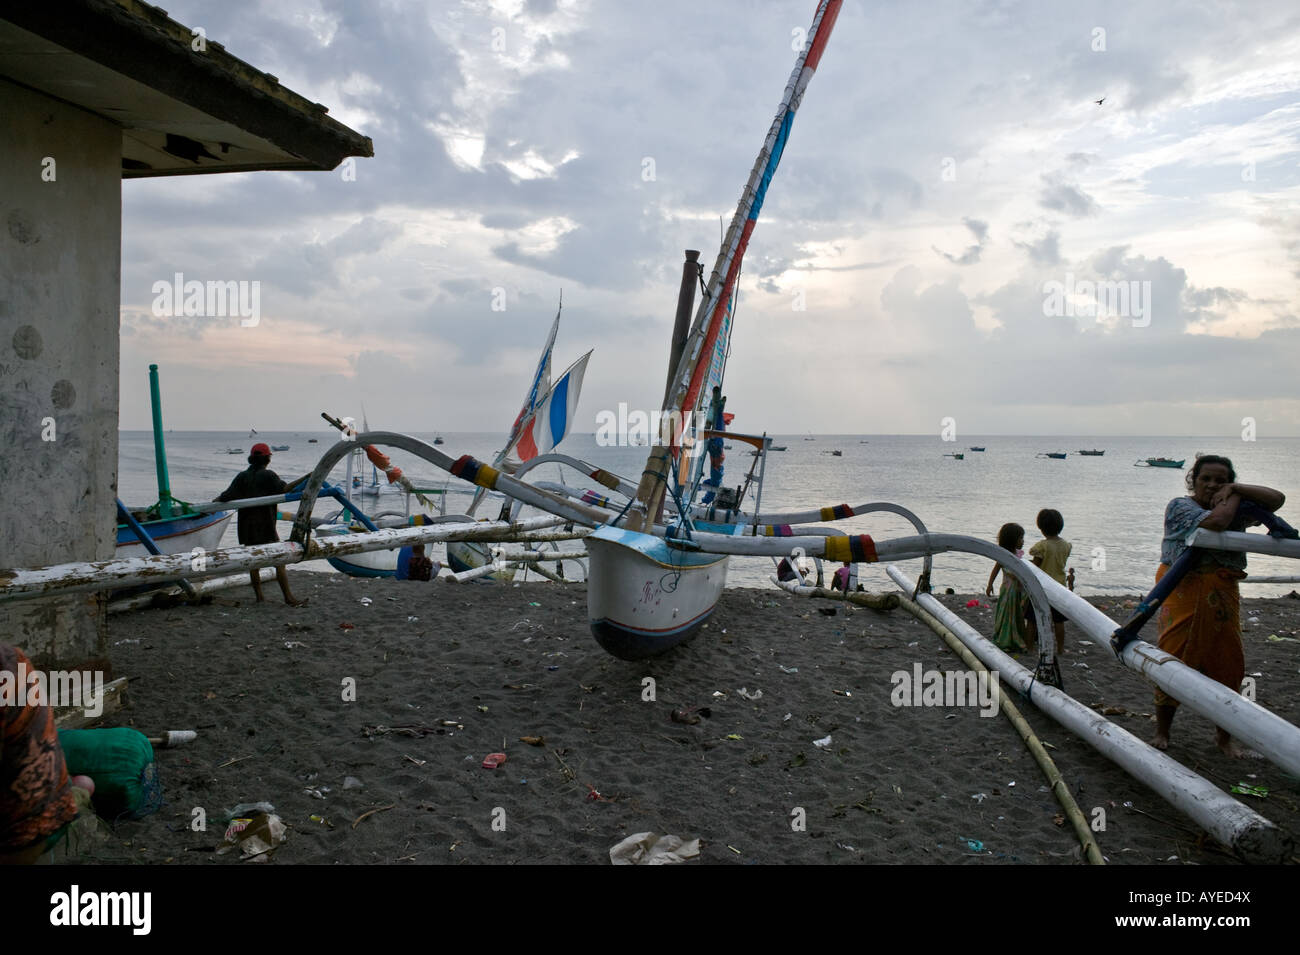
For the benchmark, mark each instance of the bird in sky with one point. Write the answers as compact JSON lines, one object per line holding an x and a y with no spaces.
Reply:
{"x":1100,"y":101}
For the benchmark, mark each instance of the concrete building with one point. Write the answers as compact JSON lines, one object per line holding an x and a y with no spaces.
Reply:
{"x":92,"y":92}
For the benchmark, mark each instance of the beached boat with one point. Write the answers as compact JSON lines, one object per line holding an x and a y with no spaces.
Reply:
{"x":178,"y":534}
{"x":647,"y":591}
{"x":1092,"y":454}
{"x":1159,"y":463}
{"x":168,"y":526}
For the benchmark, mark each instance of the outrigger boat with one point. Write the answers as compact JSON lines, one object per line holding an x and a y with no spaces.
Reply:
{"x":1092,"y":454}
{"x":1159,"y":463}
{"x":543,"y":422}
{"x":169,"y":526}
{"x":648,"y":591}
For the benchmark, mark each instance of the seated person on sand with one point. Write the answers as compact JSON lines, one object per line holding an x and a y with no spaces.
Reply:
{"x":412,"y":564}
{"x":36,"y":798}
{"x":1200,"y":622}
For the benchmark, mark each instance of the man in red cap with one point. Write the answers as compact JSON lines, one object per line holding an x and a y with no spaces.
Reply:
{"x":257,"y":524}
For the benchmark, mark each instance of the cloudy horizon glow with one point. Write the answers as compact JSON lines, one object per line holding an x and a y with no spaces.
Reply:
{"x":942,"y":173}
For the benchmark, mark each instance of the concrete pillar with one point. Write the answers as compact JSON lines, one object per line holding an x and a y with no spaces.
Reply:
{"x":60,"y":264}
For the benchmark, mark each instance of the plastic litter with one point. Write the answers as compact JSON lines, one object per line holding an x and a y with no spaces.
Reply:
{"x":756,"y":695}
{"x":493,"y":760}
{"x":1244,"y":789}
{"x":651,"y":848}
{"x":256,"y":837}
{"x":823,"y":743}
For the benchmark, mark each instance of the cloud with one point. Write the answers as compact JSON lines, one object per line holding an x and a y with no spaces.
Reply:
{"x":972,"y":254}
{"x":1064,"y":197}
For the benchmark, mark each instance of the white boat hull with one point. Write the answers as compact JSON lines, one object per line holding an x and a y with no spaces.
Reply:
{"x":644,"y":598}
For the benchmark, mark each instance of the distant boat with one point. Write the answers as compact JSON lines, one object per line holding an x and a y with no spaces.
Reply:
{"x":976,"y":449}
{"x":279,"y":447}
{"x":1159,"y":463}
{"x":311,"y":440}
{"x":957,"y":456}
{"x":1055,"y":455}
{"x":1093,"y":454}
{"x":233,"y":451}
{"x":838,"y":454}
{"x":438,"y":440}
{"x":777,"y":447}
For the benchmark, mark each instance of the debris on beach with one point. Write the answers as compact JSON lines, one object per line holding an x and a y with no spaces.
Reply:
{"x":651,"y":848}
{"x":533,"y":740}
{"x":756,"y":695}
{"x":823,"y":743}
{"x":690,"y":715}
{"x":493,"y":760}
{"x":256,"y":837}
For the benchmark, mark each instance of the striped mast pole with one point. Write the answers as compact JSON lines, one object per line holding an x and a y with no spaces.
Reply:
{"x":706,"y":338}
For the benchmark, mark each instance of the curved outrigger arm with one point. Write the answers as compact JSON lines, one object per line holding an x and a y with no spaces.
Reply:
{"x":861,"y":548}
{"x":465,"y":467}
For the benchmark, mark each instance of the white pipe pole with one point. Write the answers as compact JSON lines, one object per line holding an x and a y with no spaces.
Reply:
{"x":1240,"y":541}
{"x":1260,"y":729}
{"x":1223,"y":817}
{"x":29,"y":583}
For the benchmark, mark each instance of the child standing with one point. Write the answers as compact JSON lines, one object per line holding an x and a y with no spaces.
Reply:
{"x":1050,"y":554}
{"x":1008,"y":618}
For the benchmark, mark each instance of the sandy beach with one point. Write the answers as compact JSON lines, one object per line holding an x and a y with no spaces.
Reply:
{"x":446,"y":674}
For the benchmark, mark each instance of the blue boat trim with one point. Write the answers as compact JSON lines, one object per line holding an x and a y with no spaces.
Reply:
{"x":629,"y":643}
{"x":172,"y":527}
{"x":356,"y":570}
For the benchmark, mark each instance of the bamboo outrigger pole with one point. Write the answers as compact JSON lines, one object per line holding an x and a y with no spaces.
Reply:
{"x":1230,"y":822}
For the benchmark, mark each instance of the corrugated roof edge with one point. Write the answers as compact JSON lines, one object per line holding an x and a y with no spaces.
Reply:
{"x":140,"y":41}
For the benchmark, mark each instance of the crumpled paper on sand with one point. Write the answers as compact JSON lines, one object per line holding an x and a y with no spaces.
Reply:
{"x":651,"y":848}
{"x":257,"y":837}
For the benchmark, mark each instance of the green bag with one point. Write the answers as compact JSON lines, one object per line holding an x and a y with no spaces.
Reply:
{"x":120,"y":761}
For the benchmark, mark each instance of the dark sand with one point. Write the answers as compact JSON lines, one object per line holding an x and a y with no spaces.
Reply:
{"x":263,"y":685}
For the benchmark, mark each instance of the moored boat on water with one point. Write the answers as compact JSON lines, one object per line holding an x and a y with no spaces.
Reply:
{"x":1092,"y":454}
{"x":1159,"y":463}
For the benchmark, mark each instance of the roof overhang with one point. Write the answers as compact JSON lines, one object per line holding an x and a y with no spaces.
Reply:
{"x":182,"y":110}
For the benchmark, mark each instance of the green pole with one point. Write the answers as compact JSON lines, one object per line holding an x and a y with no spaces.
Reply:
{"x":159,"y":451}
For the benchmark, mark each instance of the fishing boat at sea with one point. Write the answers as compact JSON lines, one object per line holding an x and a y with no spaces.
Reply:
{"x":974,"y":449}
{"x":1159,"y":463}
{"x":957,"y":455}
{"x":1054,"y":455}
{"x":1092,"y":454}
{"x":279,"y":447}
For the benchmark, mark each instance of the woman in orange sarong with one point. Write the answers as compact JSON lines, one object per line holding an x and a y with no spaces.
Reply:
{"x":1200,"y":622}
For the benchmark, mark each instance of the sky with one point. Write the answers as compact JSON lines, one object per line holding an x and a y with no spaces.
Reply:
{"x":928,"y":249}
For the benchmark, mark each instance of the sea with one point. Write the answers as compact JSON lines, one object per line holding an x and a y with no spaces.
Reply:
{"x":1113,"y":510}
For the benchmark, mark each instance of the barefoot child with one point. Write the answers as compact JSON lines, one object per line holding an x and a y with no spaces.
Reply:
{"x":1050,"y":554}
{"x":1008,"y":618}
